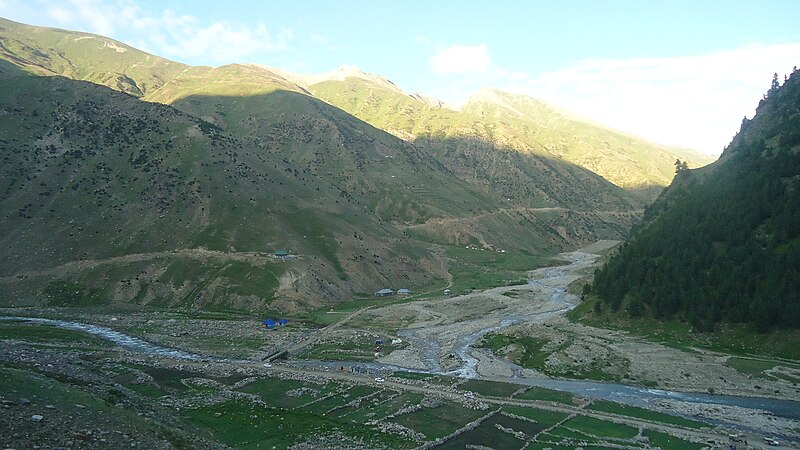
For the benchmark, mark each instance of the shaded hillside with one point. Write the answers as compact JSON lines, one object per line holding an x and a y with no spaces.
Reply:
{"x":250,"y":102}
{"x":520,"y":179}
{"x":92,"y":175}
{"x":518,"y":123}
{"x":506,"y":121}
{"x":723,"y":242}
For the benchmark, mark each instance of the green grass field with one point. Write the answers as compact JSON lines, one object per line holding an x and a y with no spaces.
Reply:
{"x":243,"y":425}
{"x":543,"y":417}
{"x":491,"y":388}
{"x":600,"y":428}
{"x":667,"y":442}
{"x":544,"y":394}
{"x":439,"y":421}
{"x":646,"y":414}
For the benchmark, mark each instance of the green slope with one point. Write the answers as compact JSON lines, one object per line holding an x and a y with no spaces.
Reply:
{"x":84,"y":56}
{"x":534,"y":182}
{"x":113,"y":199}
{"x":408,"y":184}
{"x":513,"y":123}
{"x":738,"y":261}
{"x":627,"y":161}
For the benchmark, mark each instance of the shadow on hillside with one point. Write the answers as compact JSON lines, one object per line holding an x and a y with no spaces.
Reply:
{"x":8,"y":69}
{"x":525,"y":179}
{"x":482,"y":191}
{"x":529,"y":179}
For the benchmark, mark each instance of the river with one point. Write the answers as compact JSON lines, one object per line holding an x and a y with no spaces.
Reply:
{"x":430,"y":349}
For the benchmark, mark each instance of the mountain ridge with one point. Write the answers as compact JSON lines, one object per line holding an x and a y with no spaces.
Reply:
{"x":238,"y":159}
{"x":129,"y":73}
{"x":623,"y":159}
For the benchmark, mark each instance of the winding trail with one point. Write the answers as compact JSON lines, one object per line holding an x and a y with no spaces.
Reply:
{"x":194,"y":253}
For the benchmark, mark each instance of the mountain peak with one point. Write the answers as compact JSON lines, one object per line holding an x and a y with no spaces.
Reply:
{"x":339,"y":74}
{"x":495,"y":97}
{"x":350,"y":71}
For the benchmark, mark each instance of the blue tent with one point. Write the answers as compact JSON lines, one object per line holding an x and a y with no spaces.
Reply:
{"x":283,"y":322}
{"x":269,"y":323}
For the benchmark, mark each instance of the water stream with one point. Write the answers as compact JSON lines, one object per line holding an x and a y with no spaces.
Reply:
{"x":430,"y":349}
{"x":123,"y":340}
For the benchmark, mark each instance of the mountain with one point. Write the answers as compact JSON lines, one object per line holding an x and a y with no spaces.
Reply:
{"x":107,"y":196}
{"x":737,"y":261}
{"x":112,"y":199}
{"x":201,"y":83}
{"x":514,"y":124}
{"x":128,"y":178}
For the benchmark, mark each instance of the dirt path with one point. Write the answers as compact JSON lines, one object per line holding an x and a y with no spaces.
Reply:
{"x":195,"y":253}
{"x":438,"y":221}
{"x":316,"y":336}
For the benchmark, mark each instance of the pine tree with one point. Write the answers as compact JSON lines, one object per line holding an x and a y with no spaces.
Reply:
{"x":680,"y":166}
{"x":775,"y":83}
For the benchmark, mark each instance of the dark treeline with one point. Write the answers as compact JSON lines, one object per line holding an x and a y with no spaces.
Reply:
{"x":723,"y":243}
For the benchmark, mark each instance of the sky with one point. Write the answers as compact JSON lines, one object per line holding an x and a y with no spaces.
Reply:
{"x":675,"y":72}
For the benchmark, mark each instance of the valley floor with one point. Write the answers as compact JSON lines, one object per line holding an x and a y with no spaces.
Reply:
{"x":485,"y":360}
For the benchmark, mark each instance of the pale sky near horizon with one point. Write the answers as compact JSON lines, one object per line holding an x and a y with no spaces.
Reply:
{"x":678,"y":72}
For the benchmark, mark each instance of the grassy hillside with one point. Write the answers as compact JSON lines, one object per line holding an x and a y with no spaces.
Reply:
{"x":536,"y":183}
{"x":625,"y":160}
{"x":736,"y":262}
{"x":84,"y":56}
{"x":515,"y":124}
{"x":103,"y":193}
{"x":407,"y":184}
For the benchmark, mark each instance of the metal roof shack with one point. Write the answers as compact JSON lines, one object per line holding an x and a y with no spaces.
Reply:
{"x":384,"y":292}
